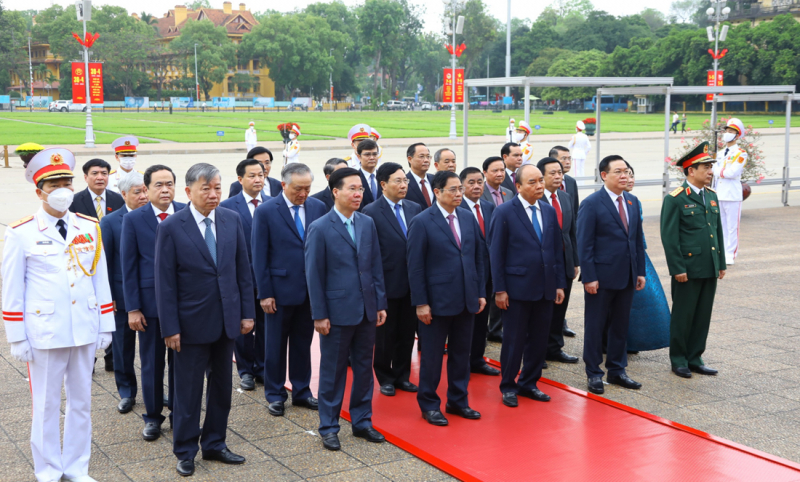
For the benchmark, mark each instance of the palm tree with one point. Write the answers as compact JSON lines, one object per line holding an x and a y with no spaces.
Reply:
{"x":148,"y":19}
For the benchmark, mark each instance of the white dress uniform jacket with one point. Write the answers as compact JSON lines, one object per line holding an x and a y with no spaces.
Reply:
{"x":728,"y":173}
{"x":250,"y":138}
{"x":527,"y":153}
{"x":292,"y":151}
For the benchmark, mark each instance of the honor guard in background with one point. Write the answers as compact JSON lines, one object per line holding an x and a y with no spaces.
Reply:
{"x":510,"y":131}
{"x":357,"y":133}
{"x":692,"y":234}
{"x":375,"y":136}
{"x":520,"y":136}
{"x":57,"y":312}
{"x":125,"y":153}
{"x":579,"y":146}
{"x":728,"y":185}
{"x":292,"y":150}
{"x":250,"y":138}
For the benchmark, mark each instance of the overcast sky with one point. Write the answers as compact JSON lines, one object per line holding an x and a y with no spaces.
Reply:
{"x":433,"y":8}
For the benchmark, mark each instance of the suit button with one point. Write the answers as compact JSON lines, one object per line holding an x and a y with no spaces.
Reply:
{"x":712,"y":235}
{"x":73,"y":302}
{"x":690,"y":254}
{"x":72,"y":285}
{"x":712,"y":248}
{"x":37,"y":312}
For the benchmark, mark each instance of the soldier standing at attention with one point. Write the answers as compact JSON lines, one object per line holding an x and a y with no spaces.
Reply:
{"x":375,"y":136}
{"x":57,"y":311}
{"x":125,"y":152}
{"x":579,"y":146}
{"x":358,"y":133}
{"x":692,"y":235}
{"x":250,"y":137}
{"x":728,"y":182}
{"x":521,"y":136}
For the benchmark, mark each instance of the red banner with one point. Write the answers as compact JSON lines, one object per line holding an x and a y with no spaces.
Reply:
{"x":447,"y":94}
{"x":79,"y":82}
{"x":713,"y":80}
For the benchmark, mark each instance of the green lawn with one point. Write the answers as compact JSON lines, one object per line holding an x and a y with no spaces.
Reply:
{"x":203,"y":127}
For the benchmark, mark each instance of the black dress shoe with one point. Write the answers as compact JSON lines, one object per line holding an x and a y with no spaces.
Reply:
{"x":703,"y":370}
{"x":633,"y":352}
{"x":624,"y":381}
{"x":276,"y":409}
{"x":495,"y":338}
{"x":567,"y":331}
{"x":225,"y":456}
{"x":331,"y":441}
{"x":259,"y":379}
{"x":109,"y":364}
{"x":387,"y":390}
{"x":435,"y":417}
{"x":596,"y":385}
{"x":510,"y":399}
{"x":407,"y":387}
{"x":535,"y":394}
{"x":485,"y":369}
{"x":151,"y":431}
{"x":185,"y":467}
{"x":126,"y":405}
{"x":370,"y":435}
{"x":310,"y":403}
{"x":544,"y":365}
{"x":682,"y":372}
{"x":166,"y":401}
{"x":248,"y":382}
{"x":562,"y":357}
{"x":465,"y":412}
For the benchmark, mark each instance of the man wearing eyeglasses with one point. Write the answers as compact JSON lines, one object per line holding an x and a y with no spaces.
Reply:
{"x":367,"y":151}
{"x":420,"y":189}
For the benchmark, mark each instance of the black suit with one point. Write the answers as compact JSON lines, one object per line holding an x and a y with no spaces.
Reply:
{"x":369,"y":196}
{"x":394,"y":341}
{"x":272,"y":187}
{"x":415,"y":193}
{"x":571,"y":185}
{"x":509,"y":183}
{"x":326,"y":197}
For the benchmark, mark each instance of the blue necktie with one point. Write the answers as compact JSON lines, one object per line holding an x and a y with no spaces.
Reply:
{"x":211,"y":241}
{"x":348,"y":223}
{"x":535,"y":222}
{"x":372,"y":186}
{"x":299,"y":222}
{"x":397,"y":209}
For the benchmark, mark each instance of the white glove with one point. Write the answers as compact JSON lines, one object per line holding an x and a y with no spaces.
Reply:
{"x":21,"y":350}
{"x":103,"y":340}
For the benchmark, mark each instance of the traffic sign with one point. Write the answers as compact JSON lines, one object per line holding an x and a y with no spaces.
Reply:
{"x":771,"y":122}
{"x":220,"y":133}
{"x":537,"y":127}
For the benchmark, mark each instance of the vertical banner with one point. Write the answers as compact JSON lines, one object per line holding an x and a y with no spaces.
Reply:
{"x":714,"y":79}
{"x":79,"y":78}
{"x":78,"y":83}
{"x":447,"y":93}
{"x":96,"y":82}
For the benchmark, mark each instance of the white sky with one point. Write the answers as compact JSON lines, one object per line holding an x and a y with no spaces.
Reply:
{"x":498,"y":8}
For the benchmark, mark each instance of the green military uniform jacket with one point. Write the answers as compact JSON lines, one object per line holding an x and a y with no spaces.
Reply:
{"x":691,"y":233}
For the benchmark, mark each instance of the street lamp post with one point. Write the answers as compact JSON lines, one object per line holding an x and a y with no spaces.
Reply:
{"x":89,"y":140}
{"x":458,"y":27}
{"x":508,"y":47}
{"x":30,"y":68}
{"x":716,"y":13}
{"x":196,"y":78}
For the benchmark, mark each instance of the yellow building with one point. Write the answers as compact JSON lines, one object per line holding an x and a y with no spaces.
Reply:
{"x":46,"y":73}
{"x":757,"y":11}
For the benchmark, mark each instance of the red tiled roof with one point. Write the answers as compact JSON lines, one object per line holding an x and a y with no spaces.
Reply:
{"x":168,"y":29}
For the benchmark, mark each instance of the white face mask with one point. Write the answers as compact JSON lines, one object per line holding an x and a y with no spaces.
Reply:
{"x":292,"y":136}
{"x":517,"y":136}
{"x":60,"y":199}
{"x":127,"y":163}
{"x":728,"y":137}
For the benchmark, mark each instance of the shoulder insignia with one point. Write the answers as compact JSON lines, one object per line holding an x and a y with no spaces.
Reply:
{"x":94,"y":220}
{"x":688,"y":191}
{"x":113,"y":171}
{"x":711,"y":190}
{"x":20,"y":222}
{"x":676,"y":192}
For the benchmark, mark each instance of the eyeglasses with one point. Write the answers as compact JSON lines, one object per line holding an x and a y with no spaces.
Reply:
{"x":353,"y":190}
{"x":454,"y":190}
{"x":400,"y":181}
{"x":619,"y":172}
{"x":369,"y":155}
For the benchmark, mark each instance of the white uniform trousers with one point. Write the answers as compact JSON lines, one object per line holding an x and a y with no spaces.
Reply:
{"x":250,"y":145}
{"x":50,"y":370}
{"x":577,"y":168}
{"x":731,"y":214}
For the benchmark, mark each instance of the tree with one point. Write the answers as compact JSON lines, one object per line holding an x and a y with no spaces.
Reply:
{"x":378,"y":30}
{"x":148,"y":19}
{"x":654,"y":19}
{"x":342,"y":19}
{"x":546,"y":58}
{"x":160,"y":62}
{"x":579,"y":64}
{"x":480,"y":30}
{"x":198,"y":4}
{"x":215,"y":52}
{"x":605,"y":32}
{"x":429,"y":59}
{"x":683,"y":11}
{"x":399,"y":63}
{"x":13,"y":48}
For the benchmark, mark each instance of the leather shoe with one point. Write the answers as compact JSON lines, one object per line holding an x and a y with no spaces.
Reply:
{"x":80,"y":478}
{"x":276,"y":409}
{"x":248,"y":382}
{"x":225,"y":456}
{"x":485,"y":369}
{"x":407,"y":387}
{"x":387,"y":390}
{"x":370,"y":435}
{"x":465,"y":412}
{"x":562,"y":357}
{"x":510,"y":399}
{"x":544,"y":365}
{"x":151,"y":431}
{"x":126,"y":405}
{"x":166,"y":401}
{"x":596,"y":385}
{"x":310,"y":403}
{"x":109,"y":364}
{"x":259,"y":379}
{"x":495,"y":338}
{"x":703,"y":370}
{"x":331,"y":441}
{"x":185,"y":467}
{"x":535,"y":394}
{"x":682,"y":372}
{"x":435,"y":417}
{"x":624,"y":381}
{"x":567,"y":331}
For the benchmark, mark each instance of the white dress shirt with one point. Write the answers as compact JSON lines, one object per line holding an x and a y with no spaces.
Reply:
{"x":198,"y":218}
{"x":472,"y":208}
{"x":367,"y":174}
{"x":526,"y":205}
{"x":428,"y":186}
{"x":302,"y":209}
{"x":170,"y":211}
{"x":698,"y":190}
{"x":102,"y":201}
{"x":616,"y":204}
{"x":52,"y":220}
{"x":455,"y":220}
{"x":252,"y":207}
{"x":402,"y":213}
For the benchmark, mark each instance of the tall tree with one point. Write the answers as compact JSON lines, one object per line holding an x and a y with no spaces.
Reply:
{"x":215,"y":52}
{"x":480,"y":30}
{"x":378,"y":30}
{"x":13,"y":48}
{"x":429,"y":59}
{"x":341,"y":18}
{"x":580,"y":64}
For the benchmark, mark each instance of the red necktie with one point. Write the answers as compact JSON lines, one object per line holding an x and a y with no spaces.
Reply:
{"x":480,"y":219}
{"x":559,"y":215}
{"x":622,"y":213}
{"x":562,"y":187}
{"x":163,"y":216}
{"x":255,"y":202}
{"x":425,"y":192}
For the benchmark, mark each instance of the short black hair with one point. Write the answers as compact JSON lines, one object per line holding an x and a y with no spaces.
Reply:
{"x":330,"y":165}
{"x":629,"y":166}
{"x":96,"y":163}
{"x":603,"y":167}
{"x":336,"y":181}
{"x":440,"y":179}
{"x":412,"y":149}
{"x":386,"y":170}
{"x":546,"y":161}
{"x":489,"y":160}
{"x":366,"y":145}
{"x":467,"y":171}
{"x":252,"y":153}
{"x":506,"y":149}
{"x":242,"y":167}
{"x":148,"y":173}
{"x":556,"y":149}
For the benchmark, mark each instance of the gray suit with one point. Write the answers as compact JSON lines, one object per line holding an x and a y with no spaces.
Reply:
{"x":508,"y":195}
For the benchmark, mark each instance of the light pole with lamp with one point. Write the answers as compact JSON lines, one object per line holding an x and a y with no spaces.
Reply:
{"x":716,"y":13}
{"x":30,"y":68}
{"x":196,"y":78}
{"x":508,"y":48}
{"x":458,"y":28}
{"x":84,"y":10}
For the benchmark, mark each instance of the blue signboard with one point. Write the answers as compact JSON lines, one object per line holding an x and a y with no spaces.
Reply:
{"x":771,"y":122}
{"x":223,"y":101}
{"x":264,"y":101}
{"x":220,"y":133}
{"x":537,"y":127}
{"x":508,"y":100}
{"x":5,"y":99}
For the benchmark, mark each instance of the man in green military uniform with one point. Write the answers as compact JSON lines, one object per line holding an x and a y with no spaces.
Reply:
{"x":691,"y":232}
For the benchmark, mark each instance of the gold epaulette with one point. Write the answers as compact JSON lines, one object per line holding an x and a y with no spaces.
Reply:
{"x":347,"y":158}
{"x":87,"y":217}
{"x":114,"y":170}
{"x":676,"y":192}
{"x":711,"y":190}
{"x":20,"y":222}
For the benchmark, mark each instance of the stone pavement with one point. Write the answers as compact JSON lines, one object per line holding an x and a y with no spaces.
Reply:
{"x":755,"y":400}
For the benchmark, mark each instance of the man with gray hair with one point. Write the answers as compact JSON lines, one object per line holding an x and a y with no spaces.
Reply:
{"x":325,"y":195}
{"x":204,"y":294}
{"x":444,"y":160}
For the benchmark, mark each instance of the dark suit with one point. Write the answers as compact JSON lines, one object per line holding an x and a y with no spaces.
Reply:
{"x":123,"y":339}
{"x":571,"y":186}
{"x":529,"y":270}
{"x":394,"y":341}
{"x":249,"y":348}
{"x":509,"y":183}
{"x":615,"y":259}
{"x":204,"y":302}
{"x":495,"y":328}
{"x":326,"y":197}
{"x":138,"y":255}
{"x":450,"y":280}
{"x":415,"y":193}
{"x":272,"y":187}
{"x":369,"y":196}
{"x":280,"y":273}
{"x":336,"y":266}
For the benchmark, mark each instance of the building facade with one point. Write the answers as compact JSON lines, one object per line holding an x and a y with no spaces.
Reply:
{"x":757,"y":11}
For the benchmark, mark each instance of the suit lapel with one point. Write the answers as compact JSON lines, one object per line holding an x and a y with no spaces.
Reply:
{"x":439,"y":220}
{"x":565,"y":213}
{"x":150,"y":217}
{"x":523,"y":217}
{"x":283,"y":209}
{"x":358,"y":229}
{"x":339,"y":227}
{"x":612,"y":208}
{"x":193,"y":231}
{"x":224,"y":232}
{"x":88,"y":202}
{"x":51,"y":231}
{"x":244,"y":210}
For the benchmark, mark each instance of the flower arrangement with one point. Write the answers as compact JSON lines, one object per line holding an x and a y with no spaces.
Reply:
{"x":590,"y":120}
{"x":754,"y":169}
{"x":28,"y":148}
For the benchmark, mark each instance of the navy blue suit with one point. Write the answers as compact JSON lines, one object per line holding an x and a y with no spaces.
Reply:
{"x":369,"y":196}
{"x":415,"y":193}
{"x":138,"y":255}
{"x":450,"y":280}
{"x":205,"y":302}
{"x":272,"y":187}
{"x":345,"y":285}
{"x":394,"y":341}
{"x":249,"y":348}
{"x":123,"y":339}
{"x":326,"y":197}
{"x":280,"y":274}
{"x":614,"y":258}
{"x":529,"y":270}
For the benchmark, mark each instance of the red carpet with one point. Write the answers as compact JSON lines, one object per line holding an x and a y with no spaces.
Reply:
{"x":575,"y":437}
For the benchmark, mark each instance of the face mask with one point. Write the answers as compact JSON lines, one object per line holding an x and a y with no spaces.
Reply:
{"x":60,"y":199}
{"x":728,"y":136}
{"x":292,"y":136}
{"x":516,"y":136}
{"x":127,"y":163}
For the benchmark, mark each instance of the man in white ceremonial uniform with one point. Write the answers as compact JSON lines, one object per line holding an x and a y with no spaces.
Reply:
{"x":520,"y":136}
{"x":292,"y":150}
{"x":375,"y":136}
{"x":579,"y":146}
{"x":57,"y":311}
{"x":250,"y":138}
{"x":358,"y":133}
{"x":125,"y":152}
{"x":728,"y":184}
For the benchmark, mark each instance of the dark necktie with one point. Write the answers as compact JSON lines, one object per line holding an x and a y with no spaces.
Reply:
{"x":255,"y":202}
{"x":62,"y":228}
{"x":622,"y":213}
{"x":514,"y":177}
{"x":726,"y":151}
{"x":535,"y":221}
{"x":425,"y":192}
{"x":397,"y":209}
{"x":453,"y":229}
{"x":480,"y":219}
{"x":559,"y":214}
{"x":162,"y":216}
{"x":211,"y":241}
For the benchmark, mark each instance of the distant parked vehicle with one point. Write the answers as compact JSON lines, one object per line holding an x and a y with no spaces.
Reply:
{"x":66,"y":106}
{"x":427,"y":106}
{"x":395,"y":105}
